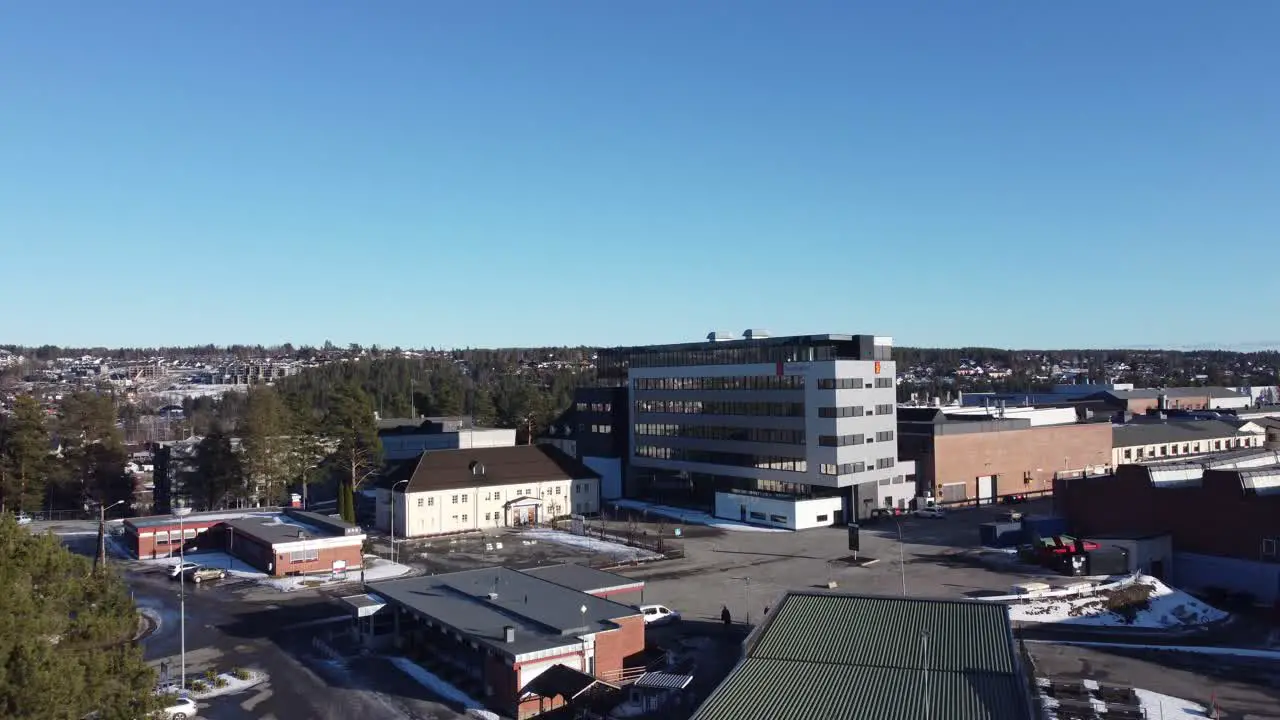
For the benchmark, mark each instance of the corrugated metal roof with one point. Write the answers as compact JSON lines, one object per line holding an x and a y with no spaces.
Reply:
{"x":845,"y":657}
{"x":762,"y":689}
{"x":855,"y":630}
{"x":1175,"y":476}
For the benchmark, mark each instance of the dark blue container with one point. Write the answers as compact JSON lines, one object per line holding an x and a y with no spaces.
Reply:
{"x":1043,"y":526}
{"x":1001,"y":535}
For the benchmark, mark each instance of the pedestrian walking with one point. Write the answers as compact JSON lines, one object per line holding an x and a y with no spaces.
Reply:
{"x":725,"y":617}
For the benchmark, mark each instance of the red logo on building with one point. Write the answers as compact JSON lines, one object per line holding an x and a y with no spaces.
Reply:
{"x":877,"y":367}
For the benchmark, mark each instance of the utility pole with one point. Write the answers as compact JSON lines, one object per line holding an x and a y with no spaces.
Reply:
{"x":100,"y":561}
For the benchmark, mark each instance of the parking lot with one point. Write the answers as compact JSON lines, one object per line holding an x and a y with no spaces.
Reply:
{"x":747,"y":571}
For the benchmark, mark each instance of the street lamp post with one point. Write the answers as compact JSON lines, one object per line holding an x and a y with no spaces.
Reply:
{"x":101,"y":561}
{"x":394,"y":554}
{"x":181,"y":513}
{"x":902,"y":563}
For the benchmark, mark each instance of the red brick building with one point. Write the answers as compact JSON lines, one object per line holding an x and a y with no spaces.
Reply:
{"x":1222,"y":513}
{"x":963,"y":458}
{"x":292,"y":542}
{"x":519,"y":643}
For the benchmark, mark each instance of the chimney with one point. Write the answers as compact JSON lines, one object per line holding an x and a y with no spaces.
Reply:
{"x":301,"y":535}
{"x":508,"y":634}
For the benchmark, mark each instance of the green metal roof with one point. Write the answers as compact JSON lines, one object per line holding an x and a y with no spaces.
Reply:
{"x":844,"y":657}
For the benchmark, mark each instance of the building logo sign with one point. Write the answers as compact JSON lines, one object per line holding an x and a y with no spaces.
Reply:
{"x":877,"y":367}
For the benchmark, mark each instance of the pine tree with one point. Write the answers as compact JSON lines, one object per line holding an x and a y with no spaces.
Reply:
{"x":24,"y":455}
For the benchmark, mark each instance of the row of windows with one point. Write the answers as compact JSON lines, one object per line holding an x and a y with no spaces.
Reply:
{"x":700,"y":407}
{"x":841,"y":440}
{"x":1190,"y":448}
{"x":301,"y":556}
{"x":716,"y":432}
{"x":855,"y":411}
{"x":884,"y":382}
{"x":740,"y":382}
{"x":464,"y":498}
{"x":760,"y":462}
{"x":840,"y":384}
{"x":857,"y":439}
{"x":842,"y":469}
{"x":602,"y":429}
{"x":594,"y":407}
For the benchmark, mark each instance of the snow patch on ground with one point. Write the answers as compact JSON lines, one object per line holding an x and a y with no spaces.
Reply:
{"x":234,"y":566}
{"x":693,"y":517}
{"x":595,"y":545}
{"x":375,"y":569}
{"x":1154,"y":705}
{"x":1163,"y":607}
{"x":430,"y":681}
{"x":234,"y":685}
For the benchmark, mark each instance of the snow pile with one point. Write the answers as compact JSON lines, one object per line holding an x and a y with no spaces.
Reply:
{"x":693,"y":517}
{"x":1154,"y":705}
{"x":235,"y":567}
{"x":1147,"y":603}
{"x":375,"y":568}
{"x":595,"y":545}
{"x":428,"y":680}
{"x":233,"y":684}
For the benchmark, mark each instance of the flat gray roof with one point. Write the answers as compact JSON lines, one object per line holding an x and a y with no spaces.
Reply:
{"x":544,"y":615}
{"x":583,"y":578}
{"x":277,"y":532}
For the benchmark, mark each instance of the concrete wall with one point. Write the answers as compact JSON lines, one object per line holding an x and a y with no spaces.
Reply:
{"x":1023,"y":460}
{"x":1200,"y":572}
{"x":610,"y":469}
{"x":779,"y":512}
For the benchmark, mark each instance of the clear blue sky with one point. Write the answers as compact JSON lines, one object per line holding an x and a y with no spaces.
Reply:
{"x":423,"y":172}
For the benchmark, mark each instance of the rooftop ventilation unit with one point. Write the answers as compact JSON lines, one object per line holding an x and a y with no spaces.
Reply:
{"x":755,"y":334}
{"x":717,"y":336}
{"x":508,"y":633}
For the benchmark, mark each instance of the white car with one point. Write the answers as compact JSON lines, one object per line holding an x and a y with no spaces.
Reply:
{"x":933,"y":513}
{"x":24,"y":519}
{"x":179,"y":708}
{"x":657,"y":614}
{"x":177,"y":571}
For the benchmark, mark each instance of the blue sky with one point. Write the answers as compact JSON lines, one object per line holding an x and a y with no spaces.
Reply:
{"x":432,"y":173}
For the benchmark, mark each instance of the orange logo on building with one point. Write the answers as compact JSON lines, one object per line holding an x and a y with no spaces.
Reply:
{"x":877,"y":367}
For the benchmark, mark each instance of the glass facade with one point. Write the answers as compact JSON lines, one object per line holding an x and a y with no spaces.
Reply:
{"x":741,"y":382}
{"x":706,"y":407}
{"x":712,"y":457}
{"x":612,"y":364}
{"x":717,"y":432}
{"x":841,"y":440}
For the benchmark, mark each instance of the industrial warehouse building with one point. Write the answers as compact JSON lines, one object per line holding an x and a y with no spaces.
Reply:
{"x":1221,"y":514}
{"x":964,"y":458}
{"x":519,"y":641}
{"x":828,"y":656}
{"x":292,"y":542}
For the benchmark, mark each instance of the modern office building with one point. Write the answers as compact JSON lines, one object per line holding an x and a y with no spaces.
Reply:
{"x":792,"y":431}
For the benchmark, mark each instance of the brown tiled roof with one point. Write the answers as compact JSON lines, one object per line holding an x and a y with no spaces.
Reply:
{"x":481,"y":467}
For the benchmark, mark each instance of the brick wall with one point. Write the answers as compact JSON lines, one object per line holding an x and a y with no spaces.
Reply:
{"x":1016,"y":455}
{"x":615,"y":646}
{"x":143,"y":541}
{"x":1217,"y":518}
{"x":324,"y":563}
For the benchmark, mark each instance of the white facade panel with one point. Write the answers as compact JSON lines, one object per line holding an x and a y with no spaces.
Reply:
{"x":439,"y":512}
{"x":779,"y":512}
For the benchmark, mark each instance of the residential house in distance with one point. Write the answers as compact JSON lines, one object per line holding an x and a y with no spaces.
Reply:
{"x":404,"y":438}
{"x":454,"y":491}
{"x":794,"y":432}
{"x":520,"y":643}
{"x":827,"y":656}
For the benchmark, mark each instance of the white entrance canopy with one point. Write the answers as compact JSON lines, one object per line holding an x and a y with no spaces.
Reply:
{"x":364,"y":605}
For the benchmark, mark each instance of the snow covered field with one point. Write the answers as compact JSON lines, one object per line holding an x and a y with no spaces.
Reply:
{"x":693,"y":517}
{"x":1155,"y":705}
{"x":1149,"y":602}
{"x":595,"y":545}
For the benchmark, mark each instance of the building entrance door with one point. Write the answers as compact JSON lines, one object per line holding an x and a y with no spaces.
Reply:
{"x":531,"y":515}
{"x":986,"y":489}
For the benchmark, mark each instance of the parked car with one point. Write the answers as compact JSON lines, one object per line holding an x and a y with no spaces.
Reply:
{"x":1012,"y":516}
{"x":181,"y":569}
{"x":658,"y":614}
{"x":178,"y":707}
{"x":201,"y":573}
{"x":932,"y":513}
{"x":24,"y":519}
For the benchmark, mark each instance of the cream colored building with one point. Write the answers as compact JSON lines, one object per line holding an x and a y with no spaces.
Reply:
{"x":453,"y":491}
{"x":1144,"y":442}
